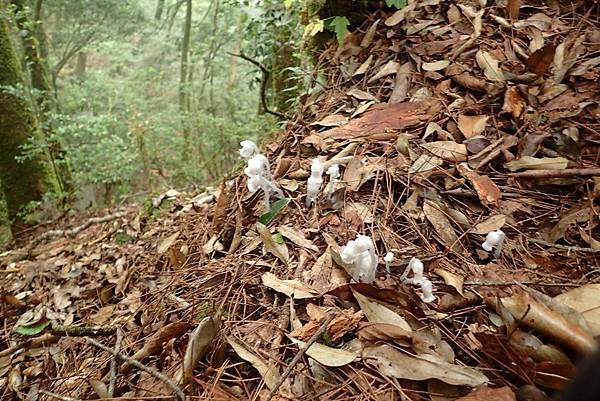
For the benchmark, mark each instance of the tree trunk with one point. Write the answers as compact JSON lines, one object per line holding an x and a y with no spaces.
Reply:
{"x":184,"y":102}
{"x":160,"y":6}
{"x":81,"y":66}
{"x":27,"y":180}
{"x":40,"y":81}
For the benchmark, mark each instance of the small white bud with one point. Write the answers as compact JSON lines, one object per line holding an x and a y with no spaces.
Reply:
{"x":494,"y":240}
{"x":313,"y":185}
{"x":248,"y":149}
{"x":388,"y":259}
{"x":427,"y":288}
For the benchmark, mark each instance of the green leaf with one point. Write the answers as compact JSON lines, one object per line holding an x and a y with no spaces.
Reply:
{"x":399,"y":4}
{"x":278,"y":238}
{"x":33,"y":329}
{"x":275,"y":209}
{"x":339,"y":25}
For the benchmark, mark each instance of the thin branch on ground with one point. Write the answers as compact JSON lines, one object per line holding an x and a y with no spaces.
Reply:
{"x":74,"y":231}
{"x":114,"y":364}
{"x":160,"y":376}
{"x":570,"y":172}
{"x":299,"y":355}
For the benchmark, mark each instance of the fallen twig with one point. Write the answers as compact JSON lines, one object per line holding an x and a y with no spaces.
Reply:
{"x":114,"y":365}
{"x":564,"y":247}
{"x":44,"y":339}
{"x":160,"y":376}
{"x":570,"y":172}
{"x":74,"y":231}
{"x":299,"y":355}
{"x":83,"y":331}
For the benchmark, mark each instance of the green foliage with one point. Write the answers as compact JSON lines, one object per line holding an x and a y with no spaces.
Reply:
{"x":276,"y":208}
{"x":399,"y":4}
{"x":33,"y":329}
{"x":339,"y":26}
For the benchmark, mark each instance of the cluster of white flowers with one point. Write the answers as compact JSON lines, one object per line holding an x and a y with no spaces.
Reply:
{"x":416,"y":267}
{"x":259,"y":172}
{"x":360,"y":253}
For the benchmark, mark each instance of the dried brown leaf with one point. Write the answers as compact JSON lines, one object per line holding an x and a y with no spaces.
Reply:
{"x":488,"y":192}
{"x":268,"y":371}
{"x":537,"y":163}
{"x":514,"y":103}
{"x":540,"y":60}
{"x":199,"y":344}
{"x":471,"y":126}
{"x":487,"y":393}
{"x":447,"y":150}
{"x":585,"y":300}
{"x":513,"y":8}
{"x":278,"y":250}
{"x":393,"y":363}
{"x":490,"y":224}
{"x":451,"y":279}
{"x":539,"y":317}
{"x":441,"y":224}
{"x":490,"y":66}
{"x":291,"y":288}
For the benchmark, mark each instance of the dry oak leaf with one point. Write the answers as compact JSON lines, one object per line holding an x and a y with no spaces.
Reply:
{"x":447,"y":150}
{"x":441,"y":224}
{"x":514,"y":103}
{"x":291,"y":288}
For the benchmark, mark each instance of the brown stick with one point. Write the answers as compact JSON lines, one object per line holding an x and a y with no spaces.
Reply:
{"x":570,"y":172}
{"x":299,"y":355}
{"x":114,"y":365}
{"x":160,"y":376}
{"x":58,"y":396}
{"x":564,"y":247}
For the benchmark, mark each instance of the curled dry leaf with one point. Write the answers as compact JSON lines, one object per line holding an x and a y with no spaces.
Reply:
{"x":492,"y":223}
{"x":585,"y":300}
{"x":268,"y":371}
{"x":471,"y":126}
{"x":451,"y":279}
{"x":377,"y":313}
{"x":436,"y":65}
{"x":383,"y":332}
{"x":488,"y":192}
{"x":539,"y":317}
{"x":199,"y":344}
{"x":297,"y":237}
{"x":537,"y":163}
{"x":364,"y":66}
{"x":390,"y":68}
{"x":490,"y":66}
{"x":154,"y":344}
{"x":291,"y":288}
{"x":425,"y":162}
{"x":394,"y":363}
{"x":441,"y":224}
{"x":325,"y":355}
{"x":278,"y":250}
{"x":361,"y":95}
{"x":514,"y":103}
{"x":165,"y":244}
{"x":447,"y":150}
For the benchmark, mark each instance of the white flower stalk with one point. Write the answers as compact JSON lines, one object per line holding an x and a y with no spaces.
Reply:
{"x":427,"y":289}
{"x":416,"y":267}
{"x":361,"y":254}
{"x":334,"y":175}
{"x":388,"y":259}
{"x":494,"y":241}
{"x":259,"y":176}
{"x":248,"y":149}
{"x":313,"y":185}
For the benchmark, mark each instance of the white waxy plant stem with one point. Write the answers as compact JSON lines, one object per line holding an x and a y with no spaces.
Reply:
{"x":494,"y":240}
{"x":427,"y":289}
{"x":388,"y":259}
{"x":334,"y":174}
{"x":361,"y":254}
{"x":248,"y":149}
{"x":313,"y":185}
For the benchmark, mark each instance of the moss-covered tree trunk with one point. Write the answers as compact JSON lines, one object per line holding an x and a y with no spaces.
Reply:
{"x":40,"y":81}
{"x":184,"y":94}
{"x":27,"y":180}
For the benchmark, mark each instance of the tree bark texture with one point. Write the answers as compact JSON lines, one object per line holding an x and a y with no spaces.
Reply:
{"x":25,"y":181}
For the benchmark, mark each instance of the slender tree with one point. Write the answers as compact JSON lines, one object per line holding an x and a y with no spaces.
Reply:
{"x":25,"y":180}
{"x":184,"y":94}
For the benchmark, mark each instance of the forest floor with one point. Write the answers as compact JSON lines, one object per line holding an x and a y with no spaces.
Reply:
{"x":448,"y":121}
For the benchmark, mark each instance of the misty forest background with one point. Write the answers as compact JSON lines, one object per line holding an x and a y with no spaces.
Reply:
{"x":122,"y":99}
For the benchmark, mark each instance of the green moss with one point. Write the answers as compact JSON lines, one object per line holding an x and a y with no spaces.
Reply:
{"x":26,"y":180}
